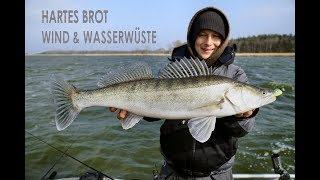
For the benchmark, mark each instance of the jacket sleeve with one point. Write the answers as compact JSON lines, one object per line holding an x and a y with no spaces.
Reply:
{"x":149,"y":119}
{"x":238,"y":127}
{"x":235,"y":126}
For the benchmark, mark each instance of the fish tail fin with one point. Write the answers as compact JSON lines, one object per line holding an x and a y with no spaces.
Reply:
{"x":66,"y":111}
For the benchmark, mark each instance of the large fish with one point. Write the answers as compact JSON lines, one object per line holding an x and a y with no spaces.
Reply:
{"x":184,"y":89}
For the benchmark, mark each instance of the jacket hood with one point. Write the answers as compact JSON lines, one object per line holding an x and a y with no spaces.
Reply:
{"x":191,"y":35}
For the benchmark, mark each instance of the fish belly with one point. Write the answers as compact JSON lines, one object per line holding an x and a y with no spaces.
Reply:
{"x":174,"y":104}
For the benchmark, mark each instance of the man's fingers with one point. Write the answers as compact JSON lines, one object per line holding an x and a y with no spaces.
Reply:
{"x":248,"y":113}
{"x":245,"y":114}
{"x":112,"y":109}
{"x":122,"y":114}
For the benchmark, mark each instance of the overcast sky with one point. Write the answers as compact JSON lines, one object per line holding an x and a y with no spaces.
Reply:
{"x":167,"y":19}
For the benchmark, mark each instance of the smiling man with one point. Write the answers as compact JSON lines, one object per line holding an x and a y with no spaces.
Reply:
{"x":184,"y":156}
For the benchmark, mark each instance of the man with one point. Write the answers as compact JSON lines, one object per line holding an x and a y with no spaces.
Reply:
{"x":185,"y":157}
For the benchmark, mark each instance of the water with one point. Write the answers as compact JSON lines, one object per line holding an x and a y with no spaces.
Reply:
{"x":97,"y":138}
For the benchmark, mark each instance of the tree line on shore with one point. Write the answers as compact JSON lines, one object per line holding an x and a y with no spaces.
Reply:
{"x":272,"y":43}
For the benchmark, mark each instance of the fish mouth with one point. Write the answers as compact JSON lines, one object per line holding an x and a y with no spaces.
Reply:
{"x":273,"y":96}
{"x":277,"y":92}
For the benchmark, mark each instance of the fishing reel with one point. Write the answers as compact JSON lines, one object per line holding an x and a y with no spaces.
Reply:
{"x":93,"y":176}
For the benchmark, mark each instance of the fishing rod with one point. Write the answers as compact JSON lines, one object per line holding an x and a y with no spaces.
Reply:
{"x":64,"y":153}
{"x":54,"y":173}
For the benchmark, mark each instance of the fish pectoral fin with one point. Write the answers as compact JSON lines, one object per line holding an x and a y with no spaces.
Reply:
{"x":202,"y":127}
{"x":131,"y":120}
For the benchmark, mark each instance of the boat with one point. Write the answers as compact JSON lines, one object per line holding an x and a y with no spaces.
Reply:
{"x":280,"y":174}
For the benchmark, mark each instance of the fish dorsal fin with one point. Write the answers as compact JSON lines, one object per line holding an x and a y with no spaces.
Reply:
{"x":140,"y":70}
{"x":185,"y":68}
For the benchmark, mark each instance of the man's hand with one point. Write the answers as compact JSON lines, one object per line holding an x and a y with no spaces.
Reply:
{"x":245,"y":114}
{"x":122,"y":113}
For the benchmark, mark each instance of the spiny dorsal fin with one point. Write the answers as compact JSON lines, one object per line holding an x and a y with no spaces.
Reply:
{"x":140,"y":70}
{"x":185,"y":68}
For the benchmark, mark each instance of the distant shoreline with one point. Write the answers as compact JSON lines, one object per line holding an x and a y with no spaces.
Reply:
{"x":155,"y":54}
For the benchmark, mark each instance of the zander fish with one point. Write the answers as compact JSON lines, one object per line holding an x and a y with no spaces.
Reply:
{"x":184,"y":89}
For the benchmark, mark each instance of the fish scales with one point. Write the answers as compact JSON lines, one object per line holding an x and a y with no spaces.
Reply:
{"x":162,"y":98}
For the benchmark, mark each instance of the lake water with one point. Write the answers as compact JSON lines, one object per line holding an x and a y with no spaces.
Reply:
{"x":97,"y":139}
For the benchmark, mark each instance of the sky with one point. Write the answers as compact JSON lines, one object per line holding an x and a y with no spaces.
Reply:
{"x":142,"y":24}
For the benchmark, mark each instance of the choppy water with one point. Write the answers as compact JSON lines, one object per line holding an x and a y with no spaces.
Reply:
{"x":97,"y":138}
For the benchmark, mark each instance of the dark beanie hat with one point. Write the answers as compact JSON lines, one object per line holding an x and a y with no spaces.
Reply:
{"x":209,"y":20}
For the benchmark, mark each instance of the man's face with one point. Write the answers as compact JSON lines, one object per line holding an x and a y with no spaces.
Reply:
{"x":207,"y":43}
